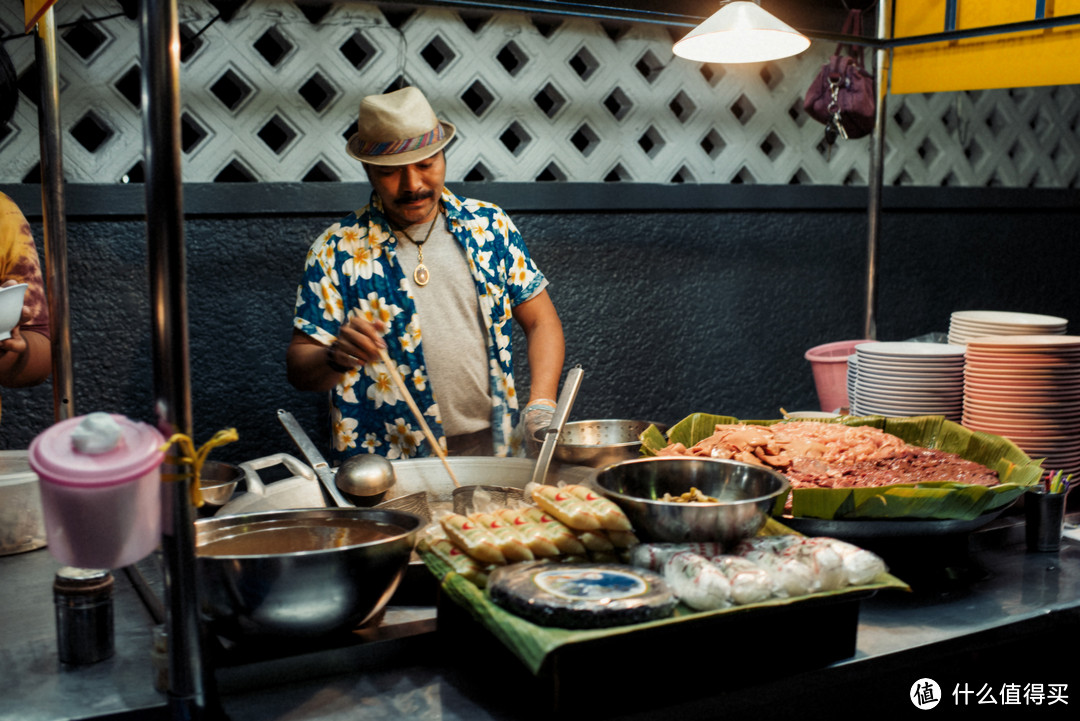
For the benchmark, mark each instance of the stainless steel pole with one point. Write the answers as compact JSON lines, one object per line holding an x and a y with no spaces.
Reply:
{"x":189,"y":678}
{"x":877,"y":171}
{"x":54,"y":214}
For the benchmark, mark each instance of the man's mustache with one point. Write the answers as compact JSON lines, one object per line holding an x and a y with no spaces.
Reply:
{"x":412,"y":197}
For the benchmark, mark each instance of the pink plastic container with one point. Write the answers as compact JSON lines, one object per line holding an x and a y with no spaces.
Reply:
{"x":101,"y":510}
{"x":829,"y":363}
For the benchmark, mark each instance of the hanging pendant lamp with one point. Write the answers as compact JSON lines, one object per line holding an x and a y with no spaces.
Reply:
{"x":741,"y":32}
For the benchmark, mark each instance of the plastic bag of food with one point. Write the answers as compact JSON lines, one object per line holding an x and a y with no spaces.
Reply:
{"x":698,"y":583}
{"x":750,"y":583}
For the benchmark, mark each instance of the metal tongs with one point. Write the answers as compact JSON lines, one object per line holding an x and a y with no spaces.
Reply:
{"x":558,"y":420}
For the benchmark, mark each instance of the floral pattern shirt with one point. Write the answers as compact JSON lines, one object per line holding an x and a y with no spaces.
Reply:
{"x":352,"y":269}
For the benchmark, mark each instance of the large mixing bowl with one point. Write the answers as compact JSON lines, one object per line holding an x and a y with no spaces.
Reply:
{"x":600,"y":443}
{"x":745,"y":493}
{"x":300,"y":573}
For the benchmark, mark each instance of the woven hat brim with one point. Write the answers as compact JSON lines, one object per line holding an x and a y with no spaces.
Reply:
{"x":406,"y":158}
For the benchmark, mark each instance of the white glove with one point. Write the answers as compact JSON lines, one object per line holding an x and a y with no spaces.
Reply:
{"x":534,"y":421}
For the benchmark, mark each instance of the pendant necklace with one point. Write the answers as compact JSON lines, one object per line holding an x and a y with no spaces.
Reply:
{"x":420,"y":275}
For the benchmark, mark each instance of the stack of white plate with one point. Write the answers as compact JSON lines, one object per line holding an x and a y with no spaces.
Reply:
{"x":909,"y":379}
{"x":852,"y":371}
{"x":1027,"y":388}
{"x":967,"y":324}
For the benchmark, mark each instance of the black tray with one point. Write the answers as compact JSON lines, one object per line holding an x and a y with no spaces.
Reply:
{"x":566,"y":667}
{"x":862,"y":528}
{"x":649,"y":667}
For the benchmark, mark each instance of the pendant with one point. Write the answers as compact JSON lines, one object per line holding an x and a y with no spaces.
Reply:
{"x":421,"y":276}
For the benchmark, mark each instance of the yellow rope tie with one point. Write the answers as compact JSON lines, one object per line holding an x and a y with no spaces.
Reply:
{"x":194,"y":458}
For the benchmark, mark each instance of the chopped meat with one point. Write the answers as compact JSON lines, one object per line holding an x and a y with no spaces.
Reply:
{"x":833,"y":455}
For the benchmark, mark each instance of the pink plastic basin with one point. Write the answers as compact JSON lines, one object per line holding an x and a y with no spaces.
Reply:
{"x":829,"y":363}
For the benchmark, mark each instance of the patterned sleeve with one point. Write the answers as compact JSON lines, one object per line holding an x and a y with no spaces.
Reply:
{"x":19,"y":262}
{"x":524,"y":279}
{"x":319,"y":309}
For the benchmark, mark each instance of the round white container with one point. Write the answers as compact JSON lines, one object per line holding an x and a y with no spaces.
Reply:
{"x":101,"y":510}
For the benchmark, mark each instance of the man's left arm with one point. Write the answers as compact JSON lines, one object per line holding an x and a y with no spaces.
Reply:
{"x":546,"y":346}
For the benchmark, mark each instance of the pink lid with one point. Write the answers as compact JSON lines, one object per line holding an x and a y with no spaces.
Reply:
{"x":55,"y":459}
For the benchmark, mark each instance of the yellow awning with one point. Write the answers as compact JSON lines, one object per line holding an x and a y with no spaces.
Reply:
{"x":1038,"y":57}
{"x":33,"y":10}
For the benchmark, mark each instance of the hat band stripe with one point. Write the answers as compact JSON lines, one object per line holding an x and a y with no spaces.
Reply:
{"x":395,"y":147}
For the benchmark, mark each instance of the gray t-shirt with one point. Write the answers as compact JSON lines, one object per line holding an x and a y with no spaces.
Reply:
{"x":451,"y":328}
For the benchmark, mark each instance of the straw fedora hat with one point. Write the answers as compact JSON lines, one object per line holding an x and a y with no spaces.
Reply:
{"x":398,"y":128}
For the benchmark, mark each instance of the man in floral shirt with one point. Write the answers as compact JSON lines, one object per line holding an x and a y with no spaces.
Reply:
{"x":434,"y":279}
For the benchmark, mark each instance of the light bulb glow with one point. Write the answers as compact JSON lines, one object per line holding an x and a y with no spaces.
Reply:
{"x":741,"y":32}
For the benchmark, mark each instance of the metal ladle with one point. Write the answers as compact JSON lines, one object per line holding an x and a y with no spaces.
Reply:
{"x":365,"y":474}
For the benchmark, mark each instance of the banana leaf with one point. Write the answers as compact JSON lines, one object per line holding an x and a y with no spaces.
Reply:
{"x":534,"y":644}
{"x":942,"y":499}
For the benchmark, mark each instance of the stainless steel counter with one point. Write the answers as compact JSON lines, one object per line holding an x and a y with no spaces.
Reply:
{"x":33,"y":683}
{"x":982,"y":612}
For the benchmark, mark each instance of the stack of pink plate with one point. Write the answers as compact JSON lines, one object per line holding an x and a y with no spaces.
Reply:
{"x":1027,"y":389}
{"x":909,"y":379}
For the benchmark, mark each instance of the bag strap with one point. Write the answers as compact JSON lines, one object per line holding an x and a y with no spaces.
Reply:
{"x":852,"y":26}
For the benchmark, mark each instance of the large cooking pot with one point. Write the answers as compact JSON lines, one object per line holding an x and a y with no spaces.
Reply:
{"x":300,"y":573}
{"x":425,"y":485}
{"x":22,"y":522}
{"x":429,"y":475}
{"x":413,"y":476}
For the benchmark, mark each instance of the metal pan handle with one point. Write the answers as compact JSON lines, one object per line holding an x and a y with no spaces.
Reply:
{"x":314,"y":457}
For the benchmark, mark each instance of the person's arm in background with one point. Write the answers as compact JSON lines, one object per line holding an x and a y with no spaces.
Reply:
{"x":25,"y":357}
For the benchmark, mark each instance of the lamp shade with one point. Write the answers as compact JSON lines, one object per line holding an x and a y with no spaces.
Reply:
{"x":741,"y":32}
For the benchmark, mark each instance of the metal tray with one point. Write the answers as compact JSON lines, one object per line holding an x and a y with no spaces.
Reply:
{"x":887,"y":527}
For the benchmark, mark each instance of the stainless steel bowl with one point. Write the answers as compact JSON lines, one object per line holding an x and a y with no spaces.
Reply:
{"x":217,"y":481}
{"x":745,"y":493}
{"x":305,"y":573}
{"x":600,"y":443}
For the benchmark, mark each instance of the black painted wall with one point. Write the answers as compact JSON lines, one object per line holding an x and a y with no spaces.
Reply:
{"x":667,"y":312}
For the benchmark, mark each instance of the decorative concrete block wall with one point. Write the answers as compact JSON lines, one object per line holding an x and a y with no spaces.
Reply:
{"x":271,"y":95}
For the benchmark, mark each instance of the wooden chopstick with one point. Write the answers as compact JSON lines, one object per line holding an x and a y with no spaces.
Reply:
{"x":391,"y":368}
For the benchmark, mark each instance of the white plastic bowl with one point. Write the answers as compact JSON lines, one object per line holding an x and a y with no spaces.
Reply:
{"x":11,"y":306}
